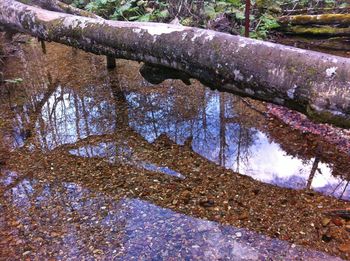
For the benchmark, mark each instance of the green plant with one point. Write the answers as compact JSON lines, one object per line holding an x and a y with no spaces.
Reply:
{"x":265,"y":24}
{"x":14,"y":81}
{"x":225,"y":15}
{"x":130,"y":10}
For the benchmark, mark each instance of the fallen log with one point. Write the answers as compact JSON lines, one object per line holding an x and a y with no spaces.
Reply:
{"x":58,"y":6}
{"x":314,"y":83}
{"x":317,"y":11}
{"x":327,"y":44}
{"x":317,"y":31}
{"x":323,"y":19}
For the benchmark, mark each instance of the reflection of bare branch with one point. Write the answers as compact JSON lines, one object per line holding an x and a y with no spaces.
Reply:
{"x":18,"y":181}
{"x":223,"y":144}
{"x":335,"y":189}
{"x":346,"y":186}
{"x":312,"y":173}
{"x":38,"y":108}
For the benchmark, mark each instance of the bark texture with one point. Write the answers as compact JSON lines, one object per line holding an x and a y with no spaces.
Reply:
{"x":314,"y":83}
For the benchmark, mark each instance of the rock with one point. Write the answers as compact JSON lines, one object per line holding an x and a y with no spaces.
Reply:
{"x":26,"y":253}
{"x":243,"y":216}
{"x":338,"y":222}
{"x":238,"y":234}
{"x":326,"y":238}
{"x":347,"y":227}
{"x":345,"y":247}
{"x":206,"y":203}
{"x":326,"y":221}
{"x":186,"y":196}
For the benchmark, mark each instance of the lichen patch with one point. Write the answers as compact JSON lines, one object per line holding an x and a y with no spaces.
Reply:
{"x":331,"y":72}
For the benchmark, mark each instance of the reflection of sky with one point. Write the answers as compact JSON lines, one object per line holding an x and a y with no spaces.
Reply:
{"x":134,"y":229}
{"x":69,"y":117}
{"x":277,"y":166}
{"x":260,"y":158}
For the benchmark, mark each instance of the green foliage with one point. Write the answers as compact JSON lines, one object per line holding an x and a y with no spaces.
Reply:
{"x":14,"y":81}
{"x":130,"y":10}
{"x":312,"y":3}
{"x":266,"y":23}
{"x":80,"y":3}
{"x":200,"y":12}
{"x":214,"y":8}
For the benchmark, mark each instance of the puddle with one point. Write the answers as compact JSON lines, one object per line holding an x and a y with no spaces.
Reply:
{"x":218,"y":127}
{"x":135,"y":228}
{"x":82,"y":142}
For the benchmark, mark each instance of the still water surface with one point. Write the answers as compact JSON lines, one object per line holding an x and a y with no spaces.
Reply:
{"x":103,"y":164}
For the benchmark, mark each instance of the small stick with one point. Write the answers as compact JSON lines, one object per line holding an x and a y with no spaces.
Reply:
{"x":247,"y":18}
{"x":111,"y":64}
{"x":43,"y":45}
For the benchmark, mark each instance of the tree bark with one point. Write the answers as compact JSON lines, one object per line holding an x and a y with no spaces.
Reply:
{"x":313,"y":83}
{"x":323,"y":19}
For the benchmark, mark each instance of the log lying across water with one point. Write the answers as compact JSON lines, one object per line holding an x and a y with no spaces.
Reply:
{"x":313,"y":83}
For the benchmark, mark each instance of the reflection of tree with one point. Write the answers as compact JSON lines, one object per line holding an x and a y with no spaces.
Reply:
{"x":242,"y":135}
{"x":122,"y":180}
{"x":222,"y":133}
{"x":121,"y":106}
{"x":309,"y":147}
{"x":313,"y":172}
{"x":219,"y":126}
{"x":126,"y":112}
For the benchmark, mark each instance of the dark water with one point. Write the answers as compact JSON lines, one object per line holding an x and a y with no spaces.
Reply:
{"x":101,"y":164}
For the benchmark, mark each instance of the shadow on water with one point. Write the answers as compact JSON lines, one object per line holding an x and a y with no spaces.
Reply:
{"x":114,"y":154}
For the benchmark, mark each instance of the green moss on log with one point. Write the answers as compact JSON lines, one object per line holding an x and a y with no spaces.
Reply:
{"x":324,"y":19}
{"x":318,"y":31}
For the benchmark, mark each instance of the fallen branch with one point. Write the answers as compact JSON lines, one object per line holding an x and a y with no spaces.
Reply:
{"x":314,"y":83}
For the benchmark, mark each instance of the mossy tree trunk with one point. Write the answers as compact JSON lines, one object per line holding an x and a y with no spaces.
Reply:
{"x":314,"y":83}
